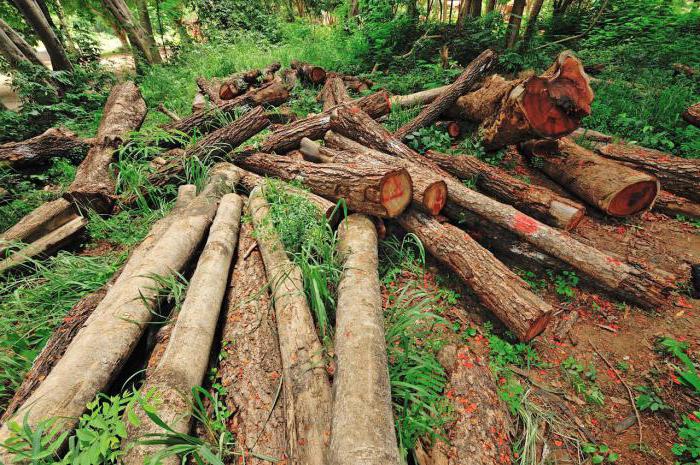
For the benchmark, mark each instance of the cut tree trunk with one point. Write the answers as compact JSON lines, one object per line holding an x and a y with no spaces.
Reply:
{"x":41,"y":221}
{"x":109,"y":336}
{"x":672,"y":205}
{"x":94,"y":185}
{"x":615,"y":189}
{"x":376,"y":190}
{"x":539,"y":202}
{"x":251,"y":372}
{"x":470,"y":76}
{"x":356,"y":83}
{"x":498,"y":289}
{"x":314,"y":127}
{"x":429,"y":191}
{"x":307,"y":391}
{"x":186,"y":357}
{"x":223,"y":140}
{"x":309,"y":73}
{"x":235,"y":85}
{"x":643,"y":284}
{"x":42,"y":149}
{"x":454,"y":129}
{"x":333,"y":93}
{"x":547,"y":106}
{"x":692,"y":114}
{"x":423,"y":97}
{"x":363,"y":422}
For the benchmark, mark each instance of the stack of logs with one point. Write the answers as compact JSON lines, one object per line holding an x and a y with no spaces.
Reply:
{"x":376,"y":175}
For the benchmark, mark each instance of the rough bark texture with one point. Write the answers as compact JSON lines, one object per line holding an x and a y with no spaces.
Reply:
{"x":333,"y":92}
{"x":314,"y":127}
{"x":499,"y":289}
{"x":539,"y":202}
{"x":613,"y":188}
{"x":186,"y":357}
{"x":514,"y":22}
{"x":678,"y":175}
{"x":94,"y":185}
{"x":692,"y":114}
{"x":109,"y":336}
{"x":419,"y":98}
{"x":10,"y":52}
{"x":375,"y":190}
{"x":363,"y":422}
{"x":21,"y":44}
{"x":41,"y":149}
{"x":138,"y":37}
{"x":251,"y":372}
{"x":672,"y":205}
{"x":307,"y":390}
{"x":210,"y":88}
{"x":37,"y":20}
{"x":41,"y":221}
{"x":484,"y":102}
{"x":470,"y":76}
{"x":223,"y":140}
{"x":308,"y":72}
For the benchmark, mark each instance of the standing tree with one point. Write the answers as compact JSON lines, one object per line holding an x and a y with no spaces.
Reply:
{"x":516,"y":18}
{"x":138,"y":38}
{"x":145,"y":20}
{"x":475,"y":8}
{"x":532,"y":21}
{"x":36,"y":18}
{"x":12,"y":42}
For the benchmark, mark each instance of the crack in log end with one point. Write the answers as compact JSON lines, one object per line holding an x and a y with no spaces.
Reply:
{"x":396,"y":192}
{"x":634,"y":198}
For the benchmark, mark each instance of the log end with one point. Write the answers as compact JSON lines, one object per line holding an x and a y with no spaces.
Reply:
{"x":317,"y":75}
{"x":634,"y":198}
{"x":396,"y":192}
{"x":537,"y":327}
{"x":567,"y":215}
{"x":434,"y":197}
{"x":227,"y":92}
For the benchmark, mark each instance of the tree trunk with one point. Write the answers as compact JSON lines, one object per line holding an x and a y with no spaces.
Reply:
{"x":516,"y":18}
{"x":475,"y":9}
{"x":615,"y":189}
{"x":314,"y":127}
{"x":672,"y":205}
{"x":109,"y":336}
{"x":429,"y":191}
{"x":137,"y":35}
{"x":363,"y":422}
{"x":210,"y":88}
{"x":333,"y":93}
{"x":147,"y":26}
{"x":19,"y":42}
{"x":532,"y":21}
{"x":186,"y":358}
{"x":309,"y":73}
{"x":498,"y":289}
{"x":223,"y":140}
{"x":692,"y":114}
{"x":37,"y":20}
{"x":238,"y":83}
{"x":41,"y":221}
{"x":42,"y":149}
{"x":65,"y":29}
{"x":472,"y":73}
{"x":376,"y":190}
{"x":10,"y":51}
{"x":490,"y":6}
{"x":124,"y":112}
{"x":307,"y":391}
{"x":419,"y":98}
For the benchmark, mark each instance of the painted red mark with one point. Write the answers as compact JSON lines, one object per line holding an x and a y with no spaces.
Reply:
{"x":681,"y":302}
{"x":613,"y":260}
{"x":525,"y":224}
{"x":393,"y":192}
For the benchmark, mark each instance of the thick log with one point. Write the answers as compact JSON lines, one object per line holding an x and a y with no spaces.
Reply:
{"x":210,"y":88}
{"x":539,"y":202}
{"x":314,"y":127}
{"x":356,"y":84}
{"x":227,"y":138}
{"x":692,"y":114}
{"x":423,"y":97}
{"x":615,"y":189}
{"x":307,"y":391}
{"x":333,"y":93}
{"x":429,"y":191}
{"x":470,"y":76}
{"x":94,"y":185}
{"x":109,"y":336}
{"x":308,"y":72}
{"x":363,"y":422}
{"x":186,"y":357}
{"x":673,"y":205}
{"x":642,"y":284}
{"x":375,"y":190}
{"x":40,"y":150}
{"x":41,"y":221}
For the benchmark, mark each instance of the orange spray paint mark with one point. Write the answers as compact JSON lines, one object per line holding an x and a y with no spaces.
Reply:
{"x":393,"y":190}
{"x":525,"y":224}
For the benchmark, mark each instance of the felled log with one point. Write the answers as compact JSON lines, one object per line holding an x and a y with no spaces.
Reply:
{"x":107,"y":339}
{"x":333,"y":92}
{"x":236,"y":84}
{"x":41,"y":149}
{"x":314,"y":127}
{"x":615,"y":189}
{"x":356,"y":84}
{"x":167,"y":112}
{"x":547,"y":106}
{"x":643,"y":284}
{"x":500,"y":290}
{"x":186,"y":358}
{"x":376,"y":190}
{"x":210,"y":88}
{"x":423,"y":97}
{"x":289,"y":77}
{"x":471,"y":74}
{"x":591,"y":135}
{"x":308,"y":72}
{"x":429,"y":191}
{"x":94,"y":186}
{"x":39,"y":222}
{"x":539,"y":202}
{"x":227,"y":138}
{"x":673,"y":205}
{"x":307,"y":391}
{"x":692,"y":114}
{"x":363,"y":423}
{"x":454,"y":129}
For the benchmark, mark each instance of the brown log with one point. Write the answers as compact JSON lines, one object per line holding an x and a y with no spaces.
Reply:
{"x":615,"y":189}
{"x":643,"y":284}
{"x":591,"y":135}
{"x":307,"y":391}
{"x":308,"y":72}
{"x":227,"y":138}
{"x":471,"y":74}
{"x":314,"y":127}
{"x":498,"y":289}
{"x":363,"y":423}
{"x":539,"y":202}
{"x":41,"y":221}
{"x":375,"y":190}
{"x":236,"y":84}
{"x":40,"y":150}
{"x":419,"y":98}
{"x":673,"y":205}
{"x":454,"y":129}
{"x":429,"y":191}
{"x":210,"y":88}
{"x":547,"y":106}
{"x":692,"y":114}
{"x":677,"y":175}
{"x":356,"y":84}
{"x":94,"y":185}
{"x":333,"y":92}
{"x":289,"y":77}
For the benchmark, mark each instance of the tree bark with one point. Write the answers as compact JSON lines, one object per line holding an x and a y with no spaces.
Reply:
{"x":37,"y":20}
{"x":42,"y":149}
{"x":186,"y":357}
{"x":672,"y":205}
{"x":516,"y":18}
{"x":498,"y":289}
{"x":363,"y":423}
{"x":692,"y":114}
{"x":490,"y":6}
{"x":472,"y":73}
{"x":475,"y":8}
{"x":238,"y":83}
{"x":532,"y":21}
{"x":376,"y":190}
{"x":19,"y":42}
{"x":137,"y":35}
{"x":419,"y":98}
{"x":307,"y":391}
{"x":333,"y":93}
{"x":539,"y":202}
{"x":309,"y":73}
{"x":110,"y":334}
{"x":314,"y":127}
{"x":223,"y":140}
{"x":615,"y":189}
{"x":10,"y":51}
{"x":124,"y":112}
{"x":41,"y":221}
{"x":147,"y":26}
{"x":210,"y":87}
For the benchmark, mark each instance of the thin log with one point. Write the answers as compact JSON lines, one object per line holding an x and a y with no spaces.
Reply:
{"x":41,"y":149}
{"x":41,"y":221}
{"x":363,"y":422}
{"x":308,"y":72}
{"x":169,"y":113}
{"x":333,"y":93}
{"x":591,"y":135}
{"x":307,"y":391}
{"x":673,"y":205}
{"x":236,"y":84}
{"x":423,"y":97}
{"x":356,"y":84}
{"x":692,"y":114}
{"x":613,"y":188}
{"x":227,"y":138}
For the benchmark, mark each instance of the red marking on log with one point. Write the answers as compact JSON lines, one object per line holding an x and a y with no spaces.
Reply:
{"x":525,"y":224}
{"x":613,"y":260}
{"x":394,"y":190}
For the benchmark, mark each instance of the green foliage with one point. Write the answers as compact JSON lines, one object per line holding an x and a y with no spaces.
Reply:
{"x":503,"y":353}
{"x":429,"y":138}
{"x":687,"y":374}
{"x":225,"y":19}
{"x":583,"y":380}
{"x":649,"y":399}
{"x":126,"y":227}
{"x":688,"y":449}
{"x":536,"y":284}
{"x":600,"y":453}
{"x":564,"y":283}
